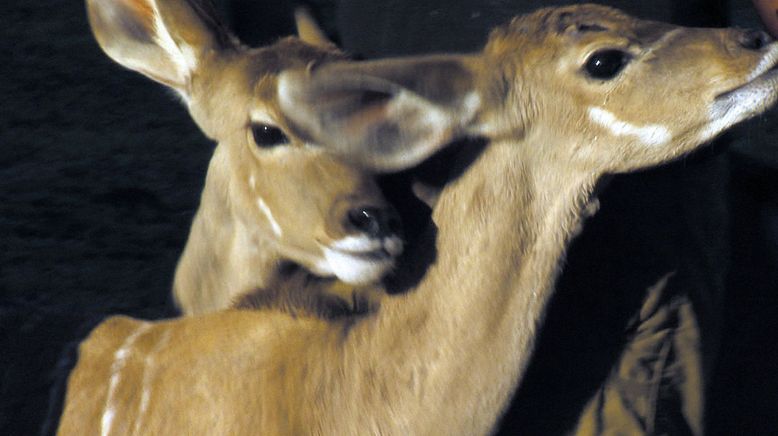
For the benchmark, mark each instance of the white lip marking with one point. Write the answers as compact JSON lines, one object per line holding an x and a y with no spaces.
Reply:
{"x":356,"y":270}
{"x":650,"y":134}
{"x":252,"y":182}
{"x":746,"y":100}
{"x":119,"y":362}
{"x":360,"y":259}
{"x":365,"y":244}
{"x":768,"y":61}
{"x":356,"y":244}
{"x":721,"y":118}
{"x":269,"y":215}
{"x":735,"y":108}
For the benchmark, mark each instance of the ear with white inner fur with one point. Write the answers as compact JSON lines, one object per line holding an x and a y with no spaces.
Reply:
{"x":384,"y":115}
{"x":162,"y":39}
{"x":308,"y":29}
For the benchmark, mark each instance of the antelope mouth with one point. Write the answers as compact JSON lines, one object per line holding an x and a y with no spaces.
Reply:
{"x":375,"y":255}
{"x":361,"y":259}
{"x":761,"y":82}
{"x":756,"y":95}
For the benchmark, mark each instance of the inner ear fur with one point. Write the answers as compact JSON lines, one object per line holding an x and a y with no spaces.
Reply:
{"x":164,"y":40}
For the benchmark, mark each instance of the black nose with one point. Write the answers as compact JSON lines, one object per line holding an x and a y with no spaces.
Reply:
{"x":375,"y":222}
{"x":754,"y":39}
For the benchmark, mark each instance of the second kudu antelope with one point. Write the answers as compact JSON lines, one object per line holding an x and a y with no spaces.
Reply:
{"x":564,"y":96}
{"x":270,"y":198}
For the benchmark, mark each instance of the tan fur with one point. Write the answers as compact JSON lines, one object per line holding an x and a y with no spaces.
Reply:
{"x":444,"y":357}
{"x":261,"y":208}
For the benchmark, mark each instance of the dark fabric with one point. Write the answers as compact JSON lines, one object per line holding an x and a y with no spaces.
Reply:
{"x":655,"y":386}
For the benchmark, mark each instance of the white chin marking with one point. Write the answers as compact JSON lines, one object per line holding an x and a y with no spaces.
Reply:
{"x":758,"y":94}
{"x":360,"y":260}
{"x":649,"y":134}
{"x":357,"y":243}
{"x":738,"y":106}
{"x":365,"y":244}
{"x":357,"y":269}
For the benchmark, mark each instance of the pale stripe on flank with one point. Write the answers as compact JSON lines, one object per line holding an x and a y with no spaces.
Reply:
{"x":120,"y":360}
{"x":148,"y":366}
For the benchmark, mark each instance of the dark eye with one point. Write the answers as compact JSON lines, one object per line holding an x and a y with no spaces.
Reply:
{"x":606,"y":64}
{"x":266,"y":136}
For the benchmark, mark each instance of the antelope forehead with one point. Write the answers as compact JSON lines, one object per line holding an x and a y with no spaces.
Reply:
{"x":649,"y":134}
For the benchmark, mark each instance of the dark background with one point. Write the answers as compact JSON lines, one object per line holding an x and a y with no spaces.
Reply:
{"x":100,"y":174}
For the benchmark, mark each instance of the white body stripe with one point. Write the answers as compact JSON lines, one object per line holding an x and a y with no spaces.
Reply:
{"x":148,"y":366}
{"x":120,"y":360}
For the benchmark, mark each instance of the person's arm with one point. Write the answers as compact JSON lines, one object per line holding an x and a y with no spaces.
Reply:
{"x":768,"y":11}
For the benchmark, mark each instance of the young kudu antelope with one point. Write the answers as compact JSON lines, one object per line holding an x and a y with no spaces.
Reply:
{"x":270,"y":198}
{"x":564,"y":96}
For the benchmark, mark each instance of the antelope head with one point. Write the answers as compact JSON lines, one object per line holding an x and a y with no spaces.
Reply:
{"x":270,"y":196}
{"x":586,"y":87}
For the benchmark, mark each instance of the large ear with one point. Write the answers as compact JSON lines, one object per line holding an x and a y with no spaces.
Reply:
{"x":385,"y":115}
{"x":162,"y":39}
{"x":308,"y":29}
